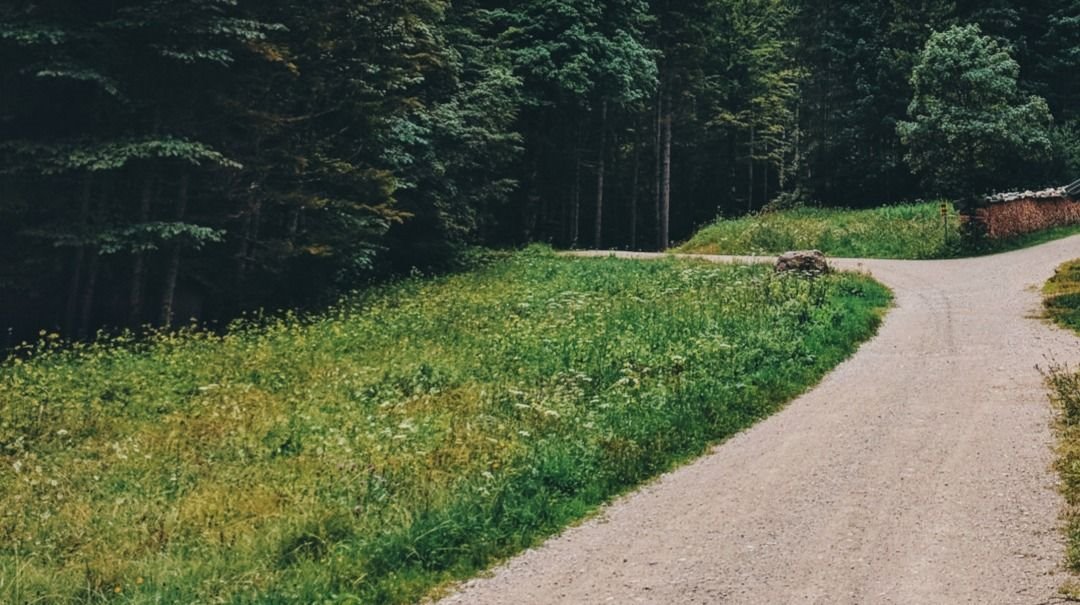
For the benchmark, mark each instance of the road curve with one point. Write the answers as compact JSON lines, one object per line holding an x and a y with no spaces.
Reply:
{"x":919,"y":471}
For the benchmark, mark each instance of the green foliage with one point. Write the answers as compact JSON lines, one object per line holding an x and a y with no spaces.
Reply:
{"x":458,"y":155}
{"x":113,"y":150}
{"x":292,"y":135}
{"x":55,"y":159}
{"x":586,"y":71}
{"x":328,"y":143}
{"x":32,"y":34}
{"x":970,"y":124}
{"x":1066,"y":138}
{"x":143,"y":237}
{"x":410,"y":436}
{"x":858,"y":56}
{"x":754,"y":96}
{"x":905,"y":231}
{"x":588,"y":50}
{"x":1062,"y":303}
{"x":1056,"y":51}
{"x":148,"y":237}
{"x":79,"y":74}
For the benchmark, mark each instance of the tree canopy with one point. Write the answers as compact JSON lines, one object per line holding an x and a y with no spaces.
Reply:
{"x":971,"y":126}
{"x":201,"y":158}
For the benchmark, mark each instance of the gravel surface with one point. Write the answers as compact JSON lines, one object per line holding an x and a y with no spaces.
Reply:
{"x":919,"y":471}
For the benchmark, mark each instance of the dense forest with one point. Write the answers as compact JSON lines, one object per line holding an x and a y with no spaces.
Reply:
{"x":167,"y":159}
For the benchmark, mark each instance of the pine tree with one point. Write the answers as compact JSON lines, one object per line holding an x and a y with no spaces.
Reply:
{"x":573,"y":59}
{"x":858,"y":57}
{"x":144,"y":70}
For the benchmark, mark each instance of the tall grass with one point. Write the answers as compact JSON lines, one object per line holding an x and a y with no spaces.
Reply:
{"x":909,"y":231}
{"x":1062,"y":302}
{"x":903,"y":231}
{"x":407,"y":438}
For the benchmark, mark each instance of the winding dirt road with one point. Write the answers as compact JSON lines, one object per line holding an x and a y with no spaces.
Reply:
{"x":919,"y":471}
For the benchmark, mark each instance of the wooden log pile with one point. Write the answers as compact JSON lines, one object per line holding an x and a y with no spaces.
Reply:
{"x":1011,"y":214}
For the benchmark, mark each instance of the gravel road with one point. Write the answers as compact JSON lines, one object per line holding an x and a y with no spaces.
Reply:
{"x":919,"y":471}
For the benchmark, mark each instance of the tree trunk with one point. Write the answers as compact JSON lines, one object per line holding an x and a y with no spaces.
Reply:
{"x":168,"y":297}
{"x":249,"y":237}
{"x":87,"y":303}
{"x":782,"y":167}
{"x":634,"y":192}
{"x":665,"y":210}
{"x":544,"y":216}
{"x":151,"y":190}
{"x":250,"y":223}
{"x":86,"y":315}
{"x":765,"y":178}
{"x":137,"y":296}
{"x":71,"y":314}
{"x":750,"y":187}
{"x":564,"y":220}
{"x":72,"y":310}
{"x":658,"y":186}
{"x":294,"y":224}
{"x":243,"y":244}
{"x":796,"y":169}
{"x":575,"y":201}
{"x":601,"y":165}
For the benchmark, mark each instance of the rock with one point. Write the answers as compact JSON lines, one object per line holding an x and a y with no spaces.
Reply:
{"x":804,"y":261}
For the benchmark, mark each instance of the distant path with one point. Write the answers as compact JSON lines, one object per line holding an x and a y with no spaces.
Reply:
{"x":918,"y":472}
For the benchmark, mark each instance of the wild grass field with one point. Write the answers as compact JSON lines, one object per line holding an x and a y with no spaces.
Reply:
{"x":1062,"y":302}
{"x":905,"y":231}
{"x":409,"y":437}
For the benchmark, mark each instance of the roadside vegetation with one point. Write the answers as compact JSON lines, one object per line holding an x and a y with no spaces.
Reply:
{"x":907,"y":231}
{"x":407,"y":438}
{"x":903,"y":231}
{"x":1062,"y":302}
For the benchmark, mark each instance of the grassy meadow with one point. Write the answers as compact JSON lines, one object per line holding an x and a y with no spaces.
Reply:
{"x":906,"y":231}
{"x":411,"y":436}
{"x":1062,"y":303}
{"x":1062,"y":296}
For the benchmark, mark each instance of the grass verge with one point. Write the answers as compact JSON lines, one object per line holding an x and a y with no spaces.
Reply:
{"x":909,"y":231}
{"x":1062,"y":303}
{"x":406,"y":439}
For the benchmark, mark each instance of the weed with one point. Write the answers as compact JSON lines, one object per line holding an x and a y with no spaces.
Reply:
{"x":409,"y":437}
{"x":1062,"y":303}
{"x":908,"y":231}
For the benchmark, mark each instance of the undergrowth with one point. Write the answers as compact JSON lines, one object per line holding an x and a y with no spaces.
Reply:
{"x":1062,"y":303}
{"x":907,"y":231}
{"x":408,"y":438}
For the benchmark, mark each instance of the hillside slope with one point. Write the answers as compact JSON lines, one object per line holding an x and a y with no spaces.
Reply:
{"x":408,"y":437}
